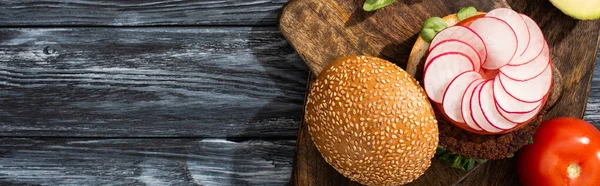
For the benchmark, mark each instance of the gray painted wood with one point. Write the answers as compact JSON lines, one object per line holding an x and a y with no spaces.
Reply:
{"x":592,"y":112}
{"x":144,"y":162}
{"x":134,"y":82}
{"x":137,"y":13}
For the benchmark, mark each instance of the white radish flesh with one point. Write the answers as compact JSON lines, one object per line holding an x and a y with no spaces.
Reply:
{"x":517,"y":23}
{"x":454,"y":93}
{"x":536,"y":42}
{"x":500,"y":41}
{"x":508,"y":104}
{"x":520,"y":117}
{"x":528,"y":70}
{"x":488,"y":107}
{"x":528,"y":91}
{"x":441,"y":70}
{"x":455,"y":45}
{"x":477,"y":114}
{"x":466,"y":104}
{"x":461,"y":33}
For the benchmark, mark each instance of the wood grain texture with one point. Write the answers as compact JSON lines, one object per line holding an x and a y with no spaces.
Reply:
{"x":138,"y":13}
{"x":493,"y":173}
{"x":191,"y":82}
{"x":592,"y":111}
{"x":334,"y":29}
{"x":64,"y":161}
{"x":344,"y":29}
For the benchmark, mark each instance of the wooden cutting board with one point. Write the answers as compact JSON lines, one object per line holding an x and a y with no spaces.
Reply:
{"x":324,"y":30}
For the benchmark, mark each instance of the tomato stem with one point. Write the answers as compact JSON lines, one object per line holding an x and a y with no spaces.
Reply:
{"x":573,"y":170}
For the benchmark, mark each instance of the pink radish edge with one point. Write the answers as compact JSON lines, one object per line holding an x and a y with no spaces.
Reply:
{"x":432,"y":60}
{"x":507,"y":118}
{"x":522,"y":80}
{"x":542,"y":40}
{"x":466,"y":93}
{"x":498,"y":64}
{"x":478,"y":90}
{"x":443,"y":54}
{"x":528,"y":33}
{"x":460,"y":102}
{"x":497,"y":85}
{"x":460,"y":41}
{"x":487,"y":115}
{"x":530,"y":60}
{"x":548,"y":91}
{"x":472,"y":31}
{"x":510,"y":19}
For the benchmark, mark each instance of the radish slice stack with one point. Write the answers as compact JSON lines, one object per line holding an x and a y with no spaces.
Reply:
{"x":492,"y":76}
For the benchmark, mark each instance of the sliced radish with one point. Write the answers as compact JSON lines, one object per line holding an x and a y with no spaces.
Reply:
{"x":536,"y":42}
{"x":499,"y":38}
{"x":508,"y":104}
{"x":528,"y":70}
{"x":466,"y":104}
{"x":476,"y":112}
{"x":517,"y":23}
{"x":441,"y":70}
{"x":520,"y":117}
{"x":455,"y":45}
{"x":528,"y":91}
{"x":464,"y":34}
{"x":454,"y":93}
{"x":504,"y":44}
{"x":489,"y":110}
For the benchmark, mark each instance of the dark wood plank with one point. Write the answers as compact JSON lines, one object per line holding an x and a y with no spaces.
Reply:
{"x":493,"y":173}
{"x":343,"y":27}
{"x":199,"y":82}
{"x":156,"y":161}
{"x":592,"y":112}
{"x":138,"y":13}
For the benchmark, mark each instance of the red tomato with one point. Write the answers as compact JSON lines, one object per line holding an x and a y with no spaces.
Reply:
{"x":565,"y":151}
{"x":469,"y":20}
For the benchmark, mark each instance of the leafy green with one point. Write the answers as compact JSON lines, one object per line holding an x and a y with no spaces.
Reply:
{"x":530,"y":141}
{"x":372,"y":5}
{"x":457,"y":161}
{"x":428,"y":34}
{"x":439,"y":150}
{"x":431,"y":27}
{"x":466,"y":12}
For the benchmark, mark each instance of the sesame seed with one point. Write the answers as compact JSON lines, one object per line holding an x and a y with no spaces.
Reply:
{"x":370,"y":117}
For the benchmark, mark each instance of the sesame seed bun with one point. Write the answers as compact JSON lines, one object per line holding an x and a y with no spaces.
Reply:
{"x":371,"y":121}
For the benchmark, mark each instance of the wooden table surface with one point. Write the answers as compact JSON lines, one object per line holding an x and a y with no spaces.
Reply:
{"x":151,"y":93}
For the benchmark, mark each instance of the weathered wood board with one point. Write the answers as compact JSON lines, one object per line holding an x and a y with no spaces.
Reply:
{"x":147,"y":161}
{"x":139,"y":13}
{"x":139,"y":69}
{"x":592,"y":111}
{"x":332,"y":29}
{"x":149,"y":82}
